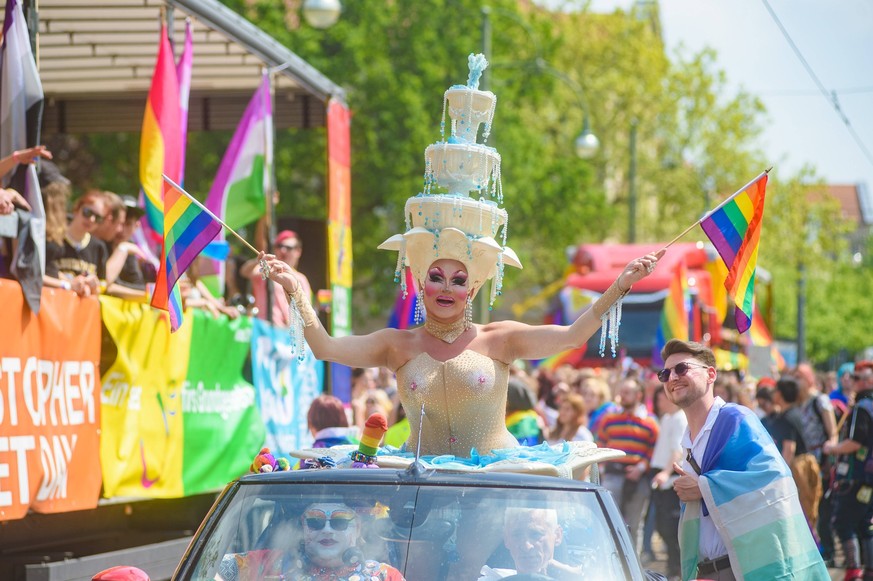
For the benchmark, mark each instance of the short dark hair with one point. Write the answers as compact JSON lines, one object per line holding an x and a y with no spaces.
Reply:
{"x":788,"y":388}
{"x":327,"y":411}
{"x":765,"y":393}
{"x":697,"y":350}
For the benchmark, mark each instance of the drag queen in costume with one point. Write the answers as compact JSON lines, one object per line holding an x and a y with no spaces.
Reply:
{"x":451,"y":373}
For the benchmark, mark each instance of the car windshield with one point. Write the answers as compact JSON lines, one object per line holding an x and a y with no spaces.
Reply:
{"x":428,"y":533}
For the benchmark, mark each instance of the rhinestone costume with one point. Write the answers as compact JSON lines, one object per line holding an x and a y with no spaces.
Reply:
{"x":464,"y":404}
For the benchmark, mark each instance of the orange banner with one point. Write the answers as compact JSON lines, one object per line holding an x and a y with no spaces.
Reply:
{"x":49,"y":403}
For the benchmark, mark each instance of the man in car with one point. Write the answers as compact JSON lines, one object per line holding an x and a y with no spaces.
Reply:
{"x":531,"y":535}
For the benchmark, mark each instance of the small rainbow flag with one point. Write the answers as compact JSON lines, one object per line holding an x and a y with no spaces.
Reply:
{"x":188,"y":228}
{"x":674,"y":316}
{"x":734,"y":228}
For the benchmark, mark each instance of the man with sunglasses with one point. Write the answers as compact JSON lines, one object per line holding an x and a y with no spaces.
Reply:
{"x":741,"y":518}
{"x":288,"y":248}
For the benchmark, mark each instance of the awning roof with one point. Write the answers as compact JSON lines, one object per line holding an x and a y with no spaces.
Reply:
{"x":96,"y":60}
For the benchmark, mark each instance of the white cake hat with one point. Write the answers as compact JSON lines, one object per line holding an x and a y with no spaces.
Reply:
{"x":461,"y":224}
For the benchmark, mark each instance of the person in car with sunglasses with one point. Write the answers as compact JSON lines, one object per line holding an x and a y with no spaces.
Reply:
{"x":741,"y":518}
{"x":78,"y":263}
{"x":329,"y":550}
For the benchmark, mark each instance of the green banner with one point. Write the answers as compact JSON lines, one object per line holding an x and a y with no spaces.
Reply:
{"x":223,"y":428}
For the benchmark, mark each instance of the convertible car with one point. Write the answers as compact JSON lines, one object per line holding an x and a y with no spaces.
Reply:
{"x":430,"y":525}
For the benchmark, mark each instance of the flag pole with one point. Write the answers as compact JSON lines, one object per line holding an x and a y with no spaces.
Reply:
{"x":213,"y":216}
{"x":702,"y":218}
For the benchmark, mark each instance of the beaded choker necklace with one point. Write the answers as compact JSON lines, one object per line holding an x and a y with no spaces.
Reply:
{"x":446,"y":332}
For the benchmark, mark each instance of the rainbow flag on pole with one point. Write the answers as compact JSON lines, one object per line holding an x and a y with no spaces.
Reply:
{"x":188,"y":228}
{"x":160,"y":150}
{"x":674,"y":316}
{"x":734,"y":228}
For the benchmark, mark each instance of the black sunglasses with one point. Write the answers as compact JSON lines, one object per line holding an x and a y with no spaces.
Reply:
{"x":339,"y":520}
{"x":89,"y":213}
{"x":680,"y":368}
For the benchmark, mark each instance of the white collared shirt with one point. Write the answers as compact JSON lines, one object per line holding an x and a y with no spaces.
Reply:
{"x":711,"y":544}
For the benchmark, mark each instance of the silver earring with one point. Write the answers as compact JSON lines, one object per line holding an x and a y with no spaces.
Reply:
{"x":468,"y":312}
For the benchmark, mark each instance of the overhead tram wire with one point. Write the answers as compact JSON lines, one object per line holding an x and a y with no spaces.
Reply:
{"x":829,"y":95}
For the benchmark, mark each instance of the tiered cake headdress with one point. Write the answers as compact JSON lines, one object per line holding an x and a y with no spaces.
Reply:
{"x":465,"y":223}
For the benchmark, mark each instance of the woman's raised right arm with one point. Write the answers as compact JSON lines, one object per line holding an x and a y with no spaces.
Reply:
{"x":370,"y":350}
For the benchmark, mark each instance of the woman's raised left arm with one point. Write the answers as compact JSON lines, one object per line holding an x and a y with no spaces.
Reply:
{"x":524,"y":341}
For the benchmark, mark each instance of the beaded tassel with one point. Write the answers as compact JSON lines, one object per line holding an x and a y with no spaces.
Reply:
{"x":419,"y":307}
{"x":468,"y":312}
{"x":609,"y":324}
{"x":296,"y":329}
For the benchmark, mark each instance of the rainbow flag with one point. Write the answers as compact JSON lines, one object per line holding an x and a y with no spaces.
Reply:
{"x":403,"y":313}
{"x":734,"y":228}
{"x":674,"y":315}
{"x":160,"y":149}
{"x":188,"y":228}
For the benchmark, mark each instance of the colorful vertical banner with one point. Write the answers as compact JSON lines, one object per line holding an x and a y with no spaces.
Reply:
{"x":285,"y":387}
{"x":160,"y":150}
{"x":179,"y":418}
{"x":49,"y":403}
{"x":339,"y":220}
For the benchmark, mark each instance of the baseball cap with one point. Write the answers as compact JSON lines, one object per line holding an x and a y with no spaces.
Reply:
{"x":285,"y":235}
{"x":132,"y":207}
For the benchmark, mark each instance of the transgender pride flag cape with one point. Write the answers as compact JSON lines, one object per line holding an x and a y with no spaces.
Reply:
{"x":748,"y":491}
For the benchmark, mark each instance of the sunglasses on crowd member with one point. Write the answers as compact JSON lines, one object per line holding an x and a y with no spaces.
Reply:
{"x":339,"y":519}
{"x":289,"y":247}
{"x":681,"y":370}
{"x":90,"y":213}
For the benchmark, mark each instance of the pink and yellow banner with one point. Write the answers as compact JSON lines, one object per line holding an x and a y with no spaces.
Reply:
{"x":339,"y":220}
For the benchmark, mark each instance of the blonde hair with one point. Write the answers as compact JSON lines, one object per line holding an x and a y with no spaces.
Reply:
{"x":55,"y":196}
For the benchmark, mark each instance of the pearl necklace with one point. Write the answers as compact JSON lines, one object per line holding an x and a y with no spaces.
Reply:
{"x":446,"y":332}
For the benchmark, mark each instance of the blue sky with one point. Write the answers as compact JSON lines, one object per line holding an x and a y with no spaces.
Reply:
{"x":836,"y":39}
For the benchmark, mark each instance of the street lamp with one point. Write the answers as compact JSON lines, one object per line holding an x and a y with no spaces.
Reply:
{"x":587,"y":143}
{"x":322,"y":13}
